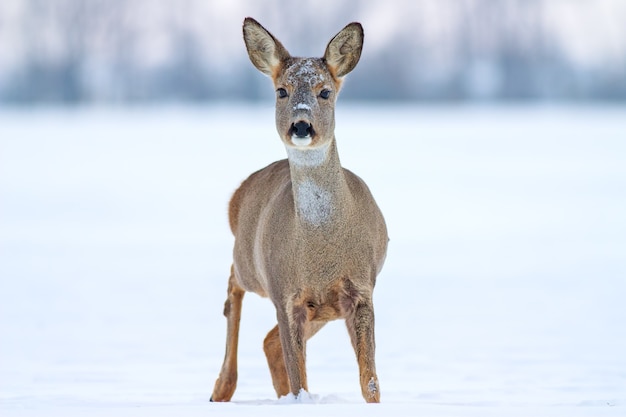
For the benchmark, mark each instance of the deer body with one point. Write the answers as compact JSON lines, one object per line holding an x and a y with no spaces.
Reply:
{"x":308,"y":233}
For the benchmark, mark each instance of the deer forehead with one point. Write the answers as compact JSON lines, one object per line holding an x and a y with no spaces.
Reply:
{"x":308,"y":72}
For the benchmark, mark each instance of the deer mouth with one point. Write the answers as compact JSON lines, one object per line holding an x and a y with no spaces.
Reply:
{"x":301,"y":133}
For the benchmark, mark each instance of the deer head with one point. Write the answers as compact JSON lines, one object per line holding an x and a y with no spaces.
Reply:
{"x":306,"y":88}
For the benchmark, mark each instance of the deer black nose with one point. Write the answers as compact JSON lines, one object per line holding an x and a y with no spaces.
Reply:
{"x":301,"y":129}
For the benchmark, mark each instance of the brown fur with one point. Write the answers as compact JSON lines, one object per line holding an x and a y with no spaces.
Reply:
{"x":308,"y":233}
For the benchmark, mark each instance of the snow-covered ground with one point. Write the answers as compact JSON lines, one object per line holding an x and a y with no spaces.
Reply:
{"x":504,"y":290}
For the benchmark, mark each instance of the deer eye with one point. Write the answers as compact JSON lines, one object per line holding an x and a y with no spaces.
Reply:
{"x":282,"y":93}
{"x":325,"y":94}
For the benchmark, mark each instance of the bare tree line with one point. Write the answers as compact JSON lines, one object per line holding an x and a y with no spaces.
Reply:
{"x":81,"y":51}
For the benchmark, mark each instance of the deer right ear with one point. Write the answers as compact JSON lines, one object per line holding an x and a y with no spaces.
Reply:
{"x":344,"y":50}
{"x":264,"y":50}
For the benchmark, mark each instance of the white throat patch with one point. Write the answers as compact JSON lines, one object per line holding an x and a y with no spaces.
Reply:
{"x":314,"y":203}
{"x":307,"y":157}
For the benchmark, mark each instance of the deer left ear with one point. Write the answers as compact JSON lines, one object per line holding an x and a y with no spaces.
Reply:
{"x":344,"y":50}
{"x":264,"y":50}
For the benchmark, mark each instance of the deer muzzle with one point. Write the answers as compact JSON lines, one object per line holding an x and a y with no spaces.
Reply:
{"x":301,"y":129}
{"x":301,"y":133}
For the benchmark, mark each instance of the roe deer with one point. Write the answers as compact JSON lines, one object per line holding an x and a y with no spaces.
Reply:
{"x":308,"y":233}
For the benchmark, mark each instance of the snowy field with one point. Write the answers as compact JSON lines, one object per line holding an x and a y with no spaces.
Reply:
{"x":504,"y":290}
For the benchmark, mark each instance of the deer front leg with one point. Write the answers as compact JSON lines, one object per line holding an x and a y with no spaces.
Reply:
{"x":292,"y":339}
{"x":361,"y":328}
{"x":227,"y":380}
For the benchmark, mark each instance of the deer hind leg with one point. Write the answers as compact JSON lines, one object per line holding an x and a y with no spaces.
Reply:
{"x":274,"y":353}
{"x":276,"y":359}
{"x":227,"y":380}
{"x":361,"y":329}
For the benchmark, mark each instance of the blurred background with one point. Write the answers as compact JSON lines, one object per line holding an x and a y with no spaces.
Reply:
{"x":129,"y":51}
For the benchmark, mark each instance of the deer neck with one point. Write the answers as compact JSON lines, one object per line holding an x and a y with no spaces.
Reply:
{"x":320,"y":190}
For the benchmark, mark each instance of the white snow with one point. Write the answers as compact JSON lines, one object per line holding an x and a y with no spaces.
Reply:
{"x":503,"y":292}
{"x":303,"y":397}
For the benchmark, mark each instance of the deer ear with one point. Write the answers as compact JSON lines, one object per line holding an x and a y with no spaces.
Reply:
{"x":344,"y":50}
{"x":264,"y":50}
